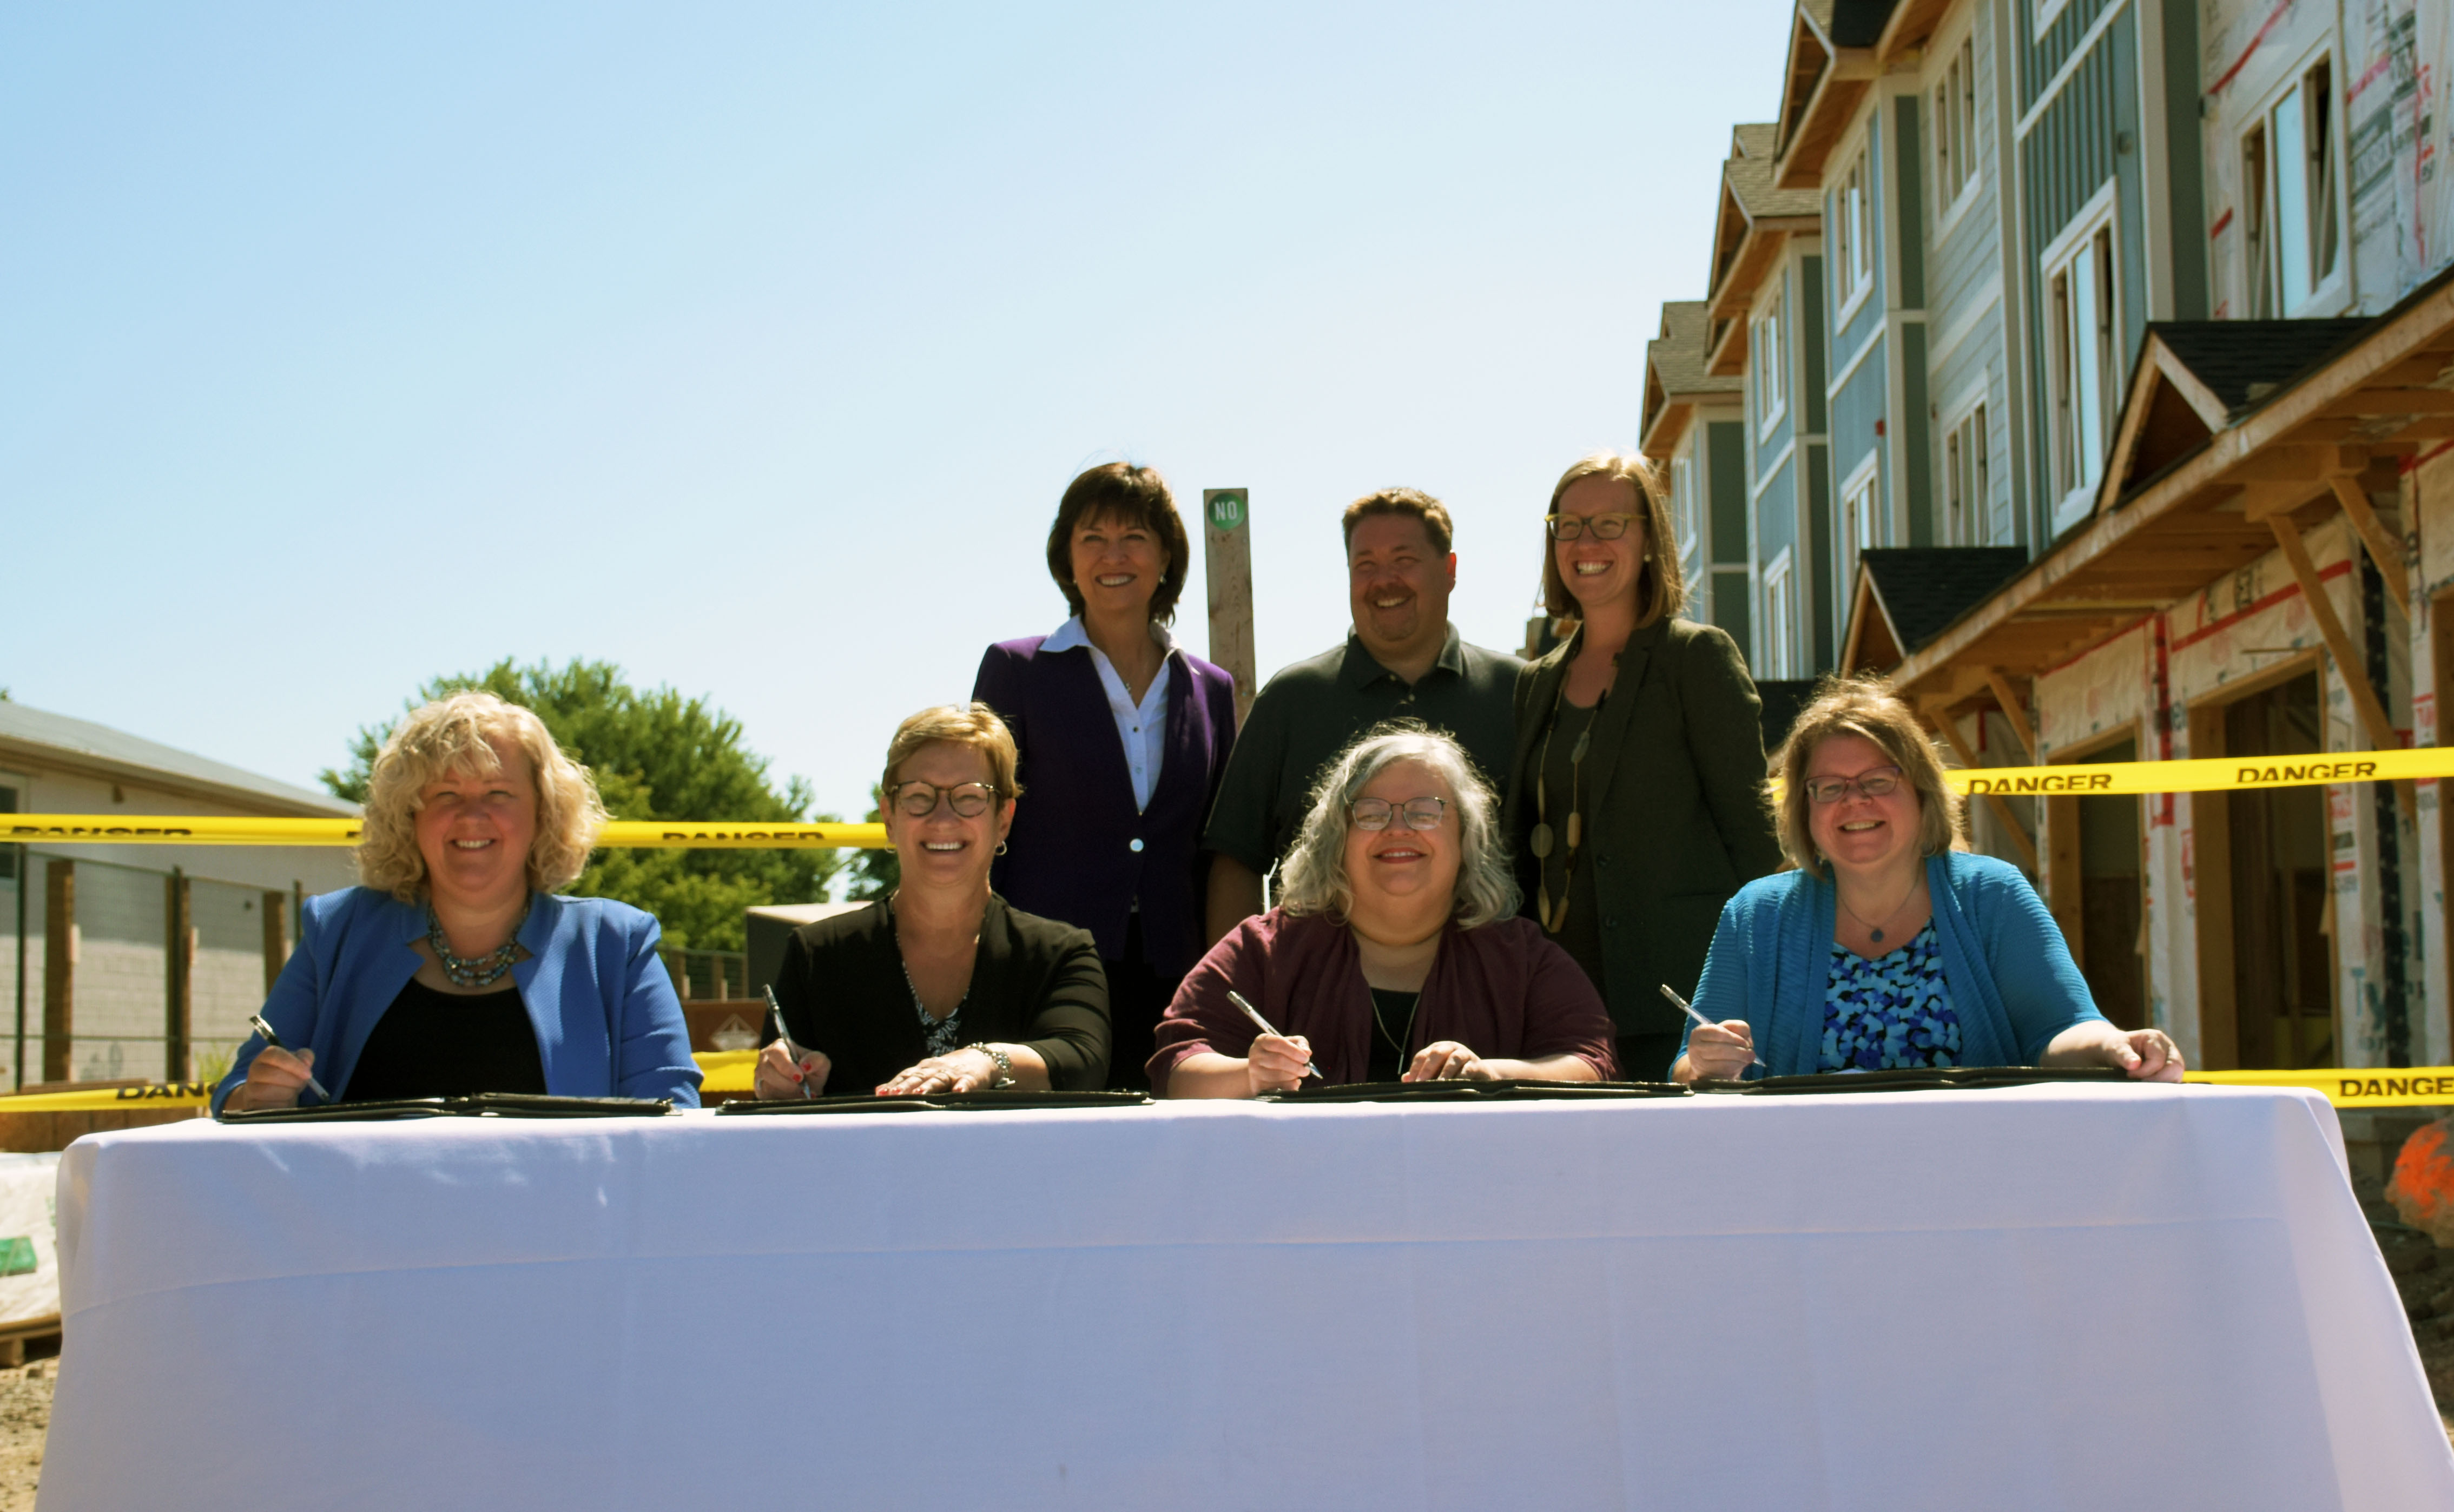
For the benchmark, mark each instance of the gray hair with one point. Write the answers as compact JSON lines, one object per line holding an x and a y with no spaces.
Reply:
{"x":1314,"y":880}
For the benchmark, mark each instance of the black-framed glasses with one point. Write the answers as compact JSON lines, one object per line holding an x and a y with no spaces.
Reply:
{"x":1875,"y":782}
{"x":916,"y":799}
{"x":1605,"y":526}
{"x":1415,"y":814}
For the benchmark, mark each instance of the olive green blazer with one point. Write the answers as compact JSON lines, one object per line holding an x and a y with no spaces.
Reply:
{"x":1676,"y":821}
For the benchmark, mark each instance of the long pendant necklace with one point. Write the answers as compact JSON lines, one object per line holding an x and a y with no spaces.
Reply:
{"x":1875,"y":932}
{"x":1399,"y":1039}
{"x":1543,"y":841}
{"x":473,"y":970}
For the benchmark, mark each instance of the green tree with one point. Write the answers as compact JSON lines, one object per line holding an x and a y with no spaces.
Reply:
{"x":656,"y":755}
{"x":875,"y":874}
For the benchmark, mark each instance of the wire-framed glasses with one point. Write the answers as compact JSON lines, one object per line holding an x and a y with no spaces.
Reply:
{"x":1415,"y":814}
{"x":916,"y":799}
{"x":1875,"y":782}
{"x":1605,"y":526}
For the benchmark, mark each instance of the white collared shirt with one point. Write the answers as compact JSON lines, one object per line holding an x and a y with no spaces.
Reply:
{"x":1142,"y":727}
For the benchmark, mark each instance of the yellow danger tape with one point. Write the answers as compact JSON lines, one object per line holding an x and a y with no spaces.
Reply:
{"x":2208,"y":774}
{"x":106,"y":829}
{"x":730,"y":1072}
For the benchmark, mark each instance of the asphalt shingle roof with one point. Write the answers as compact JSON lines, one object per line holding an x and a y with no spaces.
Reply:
{"x":1925,"y":588}
{"x":1677,"y":356}
{"x":2242,"y":361}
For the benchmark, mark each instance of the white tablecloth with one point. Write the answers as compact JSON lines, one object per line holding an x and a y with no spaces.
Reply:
{"x":2036,"y":1297}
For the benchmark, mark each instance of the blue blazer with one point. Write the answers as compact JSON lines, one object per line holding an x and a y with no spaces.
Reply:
{"x":2012,"y":980}
{"x":600,"y":999}
{"x":1078,"y":852}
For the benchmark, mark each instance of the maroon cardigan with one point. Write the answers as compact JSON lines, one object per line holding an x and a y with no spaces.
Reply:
{"x":1501,"y":989}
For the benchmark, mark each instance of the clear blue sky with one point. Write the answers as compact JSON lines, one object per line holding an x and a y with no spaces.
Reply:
{"x":750,"y":347}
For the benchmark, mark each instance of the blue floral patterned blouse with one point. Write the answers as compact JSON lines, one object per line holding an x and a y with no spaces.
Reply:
{"x":1892,"y":1012}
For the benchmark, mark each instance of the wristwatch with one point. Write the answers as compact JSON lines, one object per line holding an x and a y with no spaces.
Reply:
{"x":1004,"y":1065}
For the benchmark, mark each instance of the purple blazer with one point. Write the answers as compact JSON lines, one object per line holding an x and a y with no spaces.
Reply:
{"x":1078,"y":852}
{"x":1501,"y":989}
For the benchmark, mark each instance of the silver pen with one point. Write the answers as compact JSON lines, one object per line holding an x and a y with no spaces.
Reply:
{"x":1689,"y":1008}
{"x":784,"y":1037}
{"x":1263,"y":1026}
{"x":272,"y":1042}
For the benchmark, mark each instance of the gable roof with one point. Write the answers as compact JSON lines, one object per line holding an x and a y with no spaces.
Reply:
{"x":39,"y":738}
{"x":1674,"y":376}
{"x":1752,"y":222}
{"x":1906,"y":595}
{"x":1831,"y":63}
{"x":2195,"y":377}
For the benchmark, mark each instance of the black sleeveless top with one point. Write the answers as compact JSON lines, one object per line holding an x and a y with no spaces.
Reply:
{"x":438,"y":1044}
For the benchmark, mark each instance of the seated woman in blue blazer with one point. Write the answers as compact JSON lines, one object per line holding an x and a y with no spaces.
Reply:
{"x":455,"y":969}
{"x":1887,"y":947}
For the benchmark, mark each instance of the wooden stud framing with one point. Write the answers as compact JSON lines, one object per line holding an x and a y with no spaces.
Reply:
{"x":2014,"y":710}
{"x":2338,"y":642}
{"x":2210,"y":872}
{"x":1942,"y":721}
{"x":178,"y":972}
{"x":59,"y":966}
{"x":276,"y":937}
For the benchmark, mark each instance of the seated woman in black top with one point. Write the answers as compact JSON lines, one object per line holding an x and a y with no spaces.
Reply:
{"x":942,"y":986}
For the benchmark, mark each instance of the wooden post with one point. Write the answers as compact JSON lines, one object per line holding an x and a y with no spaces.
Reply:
{"x":1942,"y":721}
{"x":178,"y":972}
{"x":1227,"y":541}
{"x":59,"y":966}
{"x":2014,"y":710}
{"x":276,"y":937}
{"x":2383,"y":548}
{"x":2348,"y":663}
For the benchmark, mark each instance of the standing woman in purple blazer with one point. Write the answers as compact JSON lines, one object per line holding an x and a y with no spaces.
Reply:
{"x":1123,"y":734}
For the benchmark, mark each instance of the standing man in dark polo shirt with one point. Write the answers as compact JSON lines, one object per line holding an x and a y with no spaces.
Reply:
{"x":1404,"y":660}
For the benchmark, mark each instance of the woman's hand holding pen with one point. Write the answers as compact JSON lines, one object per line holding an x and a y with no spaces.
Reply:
{"x":1723,"y":1051}
{"x":274,"y":1079}
{"x":1275,"y":1062}
{"x":780,"y":1076}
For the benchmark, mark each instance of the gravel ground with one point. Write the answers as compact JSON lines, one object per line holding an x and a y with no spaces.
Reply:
{"x":25,"y":1417}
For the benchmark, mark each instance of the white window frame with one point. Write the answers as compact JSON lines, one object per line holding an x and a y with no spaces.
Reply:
{"x":1864,"y":520}
{"x":23,"y":786}
{"x":1780,"y":618}
{"x":1851,"y":213}
{"x":1683,"y":515}
{"x":1769,"y":359}
{"x":1952,"y":105}
{"x":2047,"y":11}
{"x":2080,"y":280}
{"x":1967,"y":468}
{"x":2269,"y":289}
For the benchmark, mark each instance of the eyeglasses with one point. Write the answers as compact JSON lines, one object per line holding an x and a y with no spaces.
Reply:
{"x":1875,"y":782}
{"x":1415,"y":814}
{"x":917,"y":800}
{"x":1605,"y":526}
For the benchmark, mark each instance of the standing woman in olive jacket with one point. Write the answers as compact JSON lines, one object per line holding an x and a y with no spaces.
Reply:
{"x":1636,"y":802}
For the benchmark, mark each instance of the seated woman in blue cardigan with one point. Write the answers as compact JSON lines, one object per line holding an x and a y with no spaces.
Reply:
{"x":455,"y":969}
{"x":1886,"y":947}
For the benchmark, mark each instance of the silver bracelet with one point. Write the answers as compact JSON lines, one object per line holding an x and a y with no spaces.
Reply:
{"x":1004,"y":1065}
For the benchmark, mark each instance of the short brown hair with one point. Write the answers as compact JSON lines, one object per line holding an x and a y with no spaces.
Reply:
{"x":1132,"y":495}
{"x":453,"y":735}
{"x":977,"y":726}
{"x":1412,"y":501}
{"x":1866,"y":707}
{"x":1660,"y":587}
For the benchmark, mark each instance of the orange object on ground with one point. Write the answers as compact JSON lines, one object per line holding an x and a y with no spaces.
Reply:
{"x":2422,"y":1187}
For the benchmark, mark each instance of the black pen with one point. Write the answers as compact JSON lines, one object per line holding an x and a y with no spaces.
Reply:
{"x":784,"y":1037}
{"x":273,"y":1041}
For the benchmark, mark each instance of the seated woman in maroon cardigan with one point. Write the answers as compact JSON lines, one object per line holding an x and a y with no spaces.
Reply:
{"x":1395,"y":953}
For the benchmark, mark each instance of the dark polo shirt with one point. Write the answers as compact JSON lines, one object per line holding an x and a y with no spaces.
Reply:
{"x":1313,"y":710}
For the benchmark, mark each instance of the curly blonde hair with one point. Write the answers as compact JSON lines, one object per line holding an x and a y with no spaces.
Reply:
{"x":1866,"y":707}
{"x":1314,"y":880}
{"x":451,"y":735}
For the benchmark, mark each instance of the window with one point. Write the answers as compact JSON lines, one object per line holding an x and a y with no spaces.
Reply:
{"x":1682,"y":512}
{"x":1955,"y":129}
{"x":1852,"y":262}
{"x":1966,"y":480}
{"x":2082,"y":363}
{"x":1862,"y":505}
{"x":1769,"y":362}
{"x":1780,"y":616}
{"x":2292,"y":237}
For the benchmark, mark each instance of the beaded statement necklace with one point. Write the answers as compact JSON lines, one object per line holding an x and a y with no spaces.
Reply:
{"x":1543,"y":841}
{"x":473,"y":970}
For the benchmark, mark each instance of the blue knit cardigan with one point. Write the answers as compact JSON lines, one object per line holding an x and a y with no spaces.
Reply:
{"x":2011,"y":978}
